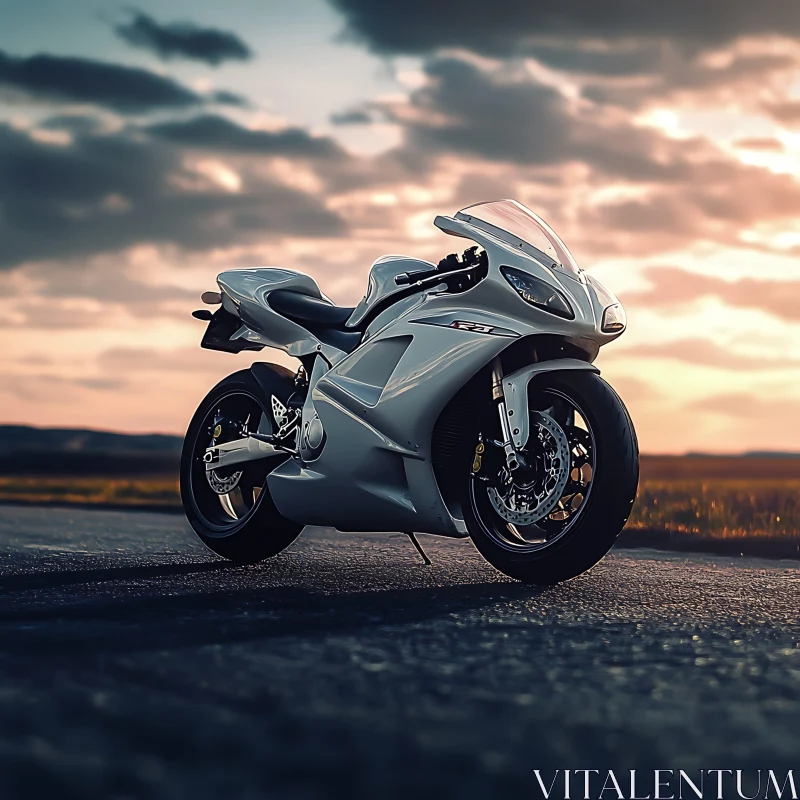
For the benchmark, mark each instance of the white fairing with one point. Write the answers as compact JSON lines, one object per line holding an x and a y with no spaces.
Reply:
{"x":365,"y":454}
{"x":247,"y":291}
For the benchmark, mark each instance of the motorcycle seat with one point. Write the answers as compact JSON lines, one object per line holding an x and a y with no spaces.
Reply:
{"x":304,"y":308}
{"x":318,"y":316}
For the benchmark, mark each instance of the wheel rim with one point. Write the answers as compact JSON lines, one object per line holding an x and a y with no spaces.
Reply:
{"x":225,"y":498}
{"x":535,"y":506}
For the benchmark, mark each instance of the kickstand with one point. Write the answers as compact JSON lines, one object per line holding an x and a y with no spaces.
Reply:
{"x":419,"y":548}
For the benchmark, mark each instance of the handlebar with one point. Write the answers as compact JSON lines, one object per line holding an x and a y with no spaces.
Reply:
{"x":407,"y":278}
{"x":447,"y":267}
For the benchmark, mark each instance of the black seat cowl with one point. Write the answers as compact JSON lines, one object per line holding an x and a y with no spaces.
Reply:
{"x":304,"y":309}
{"x":319,"y":317}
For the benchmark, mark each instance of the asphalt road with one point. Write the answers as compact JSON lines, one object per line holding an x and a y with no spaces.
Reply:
{"x":133,"y":663}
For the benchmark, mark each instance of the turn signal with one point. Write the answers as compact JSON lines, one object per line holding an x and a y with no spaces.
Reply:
{"x":614,"y":319}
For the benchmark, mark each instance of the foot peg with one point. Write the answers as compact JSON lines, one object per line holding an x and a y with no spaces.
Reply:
{"x":269,"y":438}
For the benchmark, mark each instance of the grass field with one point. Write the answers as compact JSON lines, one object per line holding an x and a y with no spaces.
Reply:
{"x":149,"y":492}
{"x":720,"y":508}
{"x":712,"y":498}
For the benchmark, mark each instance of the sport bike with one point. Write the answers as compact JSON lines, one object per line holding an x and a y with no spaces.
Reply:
{"x":457,"y":399}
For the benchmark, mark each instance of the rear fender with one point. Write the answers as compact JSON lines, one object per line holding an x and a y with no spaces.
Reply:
{"x":515,"y":391}
{"x":273,"y":378}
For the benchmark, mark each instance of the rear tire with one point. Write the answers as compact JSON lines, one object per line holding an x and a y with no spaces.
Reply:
{"x":260,"y":531}
{"x":605,"y":509}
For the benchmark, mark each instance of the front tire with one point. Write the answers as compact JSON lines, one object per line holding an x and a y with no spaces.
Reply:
{"x":241,"y":524}
{"x":566,"y":541}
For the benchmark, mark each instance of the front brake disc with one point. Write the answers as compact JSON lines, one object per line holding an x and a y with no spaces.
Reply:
{"x":529,"y":504}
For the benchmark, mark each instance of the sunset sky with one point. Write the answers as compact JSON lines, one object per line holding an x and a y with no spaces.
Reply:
{"x":145,"y":148}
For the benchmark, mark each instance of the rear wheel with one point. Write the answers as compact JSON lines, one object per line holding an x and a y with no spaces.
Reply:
{"x":230,"y":508}
{"x":559,"y":513}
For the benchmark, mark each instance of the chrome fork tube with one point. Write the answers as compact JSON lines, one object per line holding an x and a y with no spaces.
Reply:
{"x":512,"y":462}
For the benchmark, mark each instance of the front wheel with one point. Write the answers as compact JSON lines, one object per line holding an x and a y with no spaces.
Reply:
{"x":559,"y":512}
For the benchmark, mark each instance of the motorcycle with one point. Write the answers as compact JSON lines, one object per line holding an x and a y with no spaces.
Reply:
{"x":458,"y":399}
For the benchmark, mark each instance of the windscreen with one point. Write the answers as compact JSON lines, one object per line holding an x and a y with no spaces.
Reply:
{"x":517,"y":222}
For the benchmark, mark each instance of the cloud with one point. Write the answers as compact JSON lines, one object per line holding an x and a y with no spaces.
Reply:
{"x":83,"y":295}
{"x":213,"y":132}
{"x":677,"y":217}
{"x":38,"y":388}
{"x":142,"y":359}
{"x":487,"y":114}
{"x":740,"y":421}
{"x":105,"y":192}
{"x":119,"y":88}
{"x":672,"y":286}
{"x":504,"y":114}
{"x":225,"y":98}
{"x":786,"y":112}
{"x":511,"y":27}
{"x":355,"y":116}
{"x":311,"y":163}
{"x":621,"y":52}
{"x":611,"y":183}
{"x":599,"y":58}
{"x":734,"y":75}
{"x":72,"y":123}
{"x":183,"y":40}
{"x":705,"y":353}
{"x":748,"y":408}
{"x":763,"y":143}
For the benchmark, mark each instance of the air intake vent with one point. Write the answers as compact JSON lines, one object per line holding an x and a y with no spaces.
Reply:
{"x":453,"y":445}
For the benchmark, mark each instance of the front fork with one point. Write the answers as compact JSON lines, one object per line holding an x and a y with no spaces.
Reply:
{"x":506,"y":415}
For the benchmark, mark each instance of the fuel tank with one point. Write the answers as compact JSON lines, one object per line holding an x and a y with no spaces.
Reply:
{"x":381,"y":282}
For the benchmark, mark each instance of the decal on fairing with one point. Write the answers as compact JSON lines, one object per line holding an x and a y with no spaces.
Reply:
{"x":475,"y":327}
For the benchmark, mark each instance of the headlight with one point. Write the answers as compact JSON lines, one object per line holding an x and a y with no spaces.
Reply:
{"x":538,"y":293}
{"x":614,"y":319}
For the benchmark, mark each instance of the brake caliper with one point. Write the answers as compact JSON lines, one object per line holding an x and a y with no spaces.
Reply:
{"x":476,"y":464}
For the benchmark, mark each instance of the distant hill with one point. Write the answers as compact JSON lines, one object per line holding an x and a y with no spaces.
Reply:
{"x":748,"y":454}
{"x":26,"y":450}
{"x":705,"y":467}
{"x":769,"y":454}
{"x":57,"y":451}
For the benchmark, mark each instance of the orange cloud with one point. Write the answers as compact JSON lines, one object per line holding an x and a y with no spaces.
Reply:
{"x":671,"y":286}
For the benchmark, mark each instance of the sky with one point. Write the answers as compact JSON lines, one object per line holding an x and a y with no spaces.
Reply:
{"x":145,"y":148}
